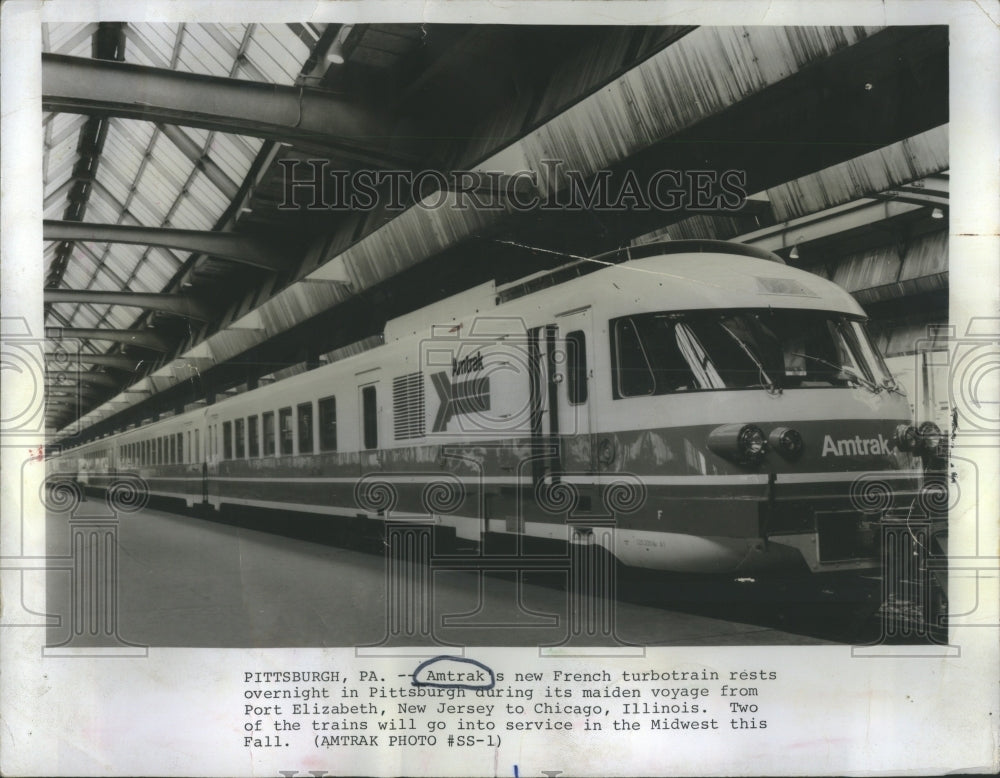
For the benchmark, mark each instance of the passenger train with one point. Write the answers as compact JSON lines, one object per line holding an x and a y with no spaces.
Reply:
{"x":719,"y":410}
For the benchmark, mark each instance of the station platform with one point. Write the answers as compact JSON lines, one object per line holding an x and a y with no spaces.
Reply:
{"x":282,"y":580}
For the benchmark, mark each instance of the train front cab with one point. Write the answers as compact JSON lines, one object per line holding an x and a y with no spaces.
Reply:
{"x":773,"y":440}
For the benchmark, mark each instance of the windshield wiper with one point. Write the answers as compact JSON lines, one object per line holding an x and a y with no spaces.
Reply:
{"x":892,"y":385}
{"x":860,"y":379}
{"x":770,"y":385}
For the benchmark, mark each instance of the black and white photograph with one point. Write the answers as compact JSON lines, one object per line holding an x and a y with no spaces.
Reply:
{"x":501,"y":391}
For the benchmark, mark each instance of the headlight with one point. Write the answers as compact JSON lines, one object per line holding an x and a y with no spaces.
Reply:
{"x":905,"y":437}
{"x":742,"y":443}
{"x":786,"y":441}
{"x":929,"y":435}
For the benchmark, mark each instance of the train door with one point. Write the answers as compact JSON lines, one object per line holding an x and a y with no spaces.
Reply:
{"x":572,"y":376}
{"x":201,"y":458}
{"x":371,"y":436}
{"x":560,"y":355}
{"x":574,"y":398}
{"x":544,"y":450}
{"x":210,"y":488}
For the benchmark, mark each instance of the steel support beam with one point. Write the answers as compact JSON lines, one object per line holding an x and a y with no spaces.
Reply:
{"x":117,"y":361}
{"x":193,"y":151}
{"x":142,"y":338}
{"x":68,"y":393}
{"x":175,"y":304}
{"x":243,"y":249}
{"x":833,"y":221}
{"x":80,"y":85}
{"x":82,"y":377}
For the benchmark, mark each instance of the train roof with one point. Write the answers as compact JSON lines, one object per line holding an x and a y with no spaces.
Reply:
{"x":691,"y":281}
{"x":665,"y":247}
{"x":672,"y":275}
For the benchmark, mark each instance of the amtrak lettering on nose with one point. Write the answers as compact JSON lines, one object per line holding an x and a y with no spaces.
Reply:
{"x":856,"y":446}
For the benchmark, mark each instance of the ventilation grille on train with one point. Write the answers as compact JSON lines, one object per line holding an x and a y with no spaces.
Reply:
{"x":408,"y":406}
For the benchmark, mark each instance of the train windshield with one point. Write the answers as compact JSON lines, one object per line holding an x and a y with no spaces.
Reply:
{"x":662,"y":353}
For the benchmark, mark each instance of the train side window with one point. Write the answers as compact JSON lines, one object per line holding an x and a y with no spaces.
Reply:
{"x":576,"y":386}
{"x":369,"y":413}
{"x":180,"y":448}
{"x":285,"y":432}
{"x":253,"y":439}
{"x":227,"y":440}
{"x":267,"y":419}
{"x":172,"y":446}
{"x":188,"y":454}
{"x":159,"y":451}
{"x":304,"y":411}
{"x":328,"y":424}
{"x":633,"y":376}
{"x":197,"y":446}
{"x":240,"y":449}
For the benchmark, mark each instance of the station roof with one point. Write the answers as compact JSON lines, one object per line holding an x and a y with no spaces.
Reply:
{"x":176,"y":269}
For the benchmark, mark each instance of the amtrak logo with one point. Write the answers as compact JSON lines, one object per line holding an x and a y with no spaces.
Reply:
{"x":470,"y":364}
{"x":856,"y":446}
{"x":459,"y":398}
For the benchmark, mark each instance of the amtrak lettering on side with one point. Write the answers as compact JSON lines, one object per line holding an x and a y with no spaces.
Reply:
{"x":856,"y":446}
{"x":469,"y":364}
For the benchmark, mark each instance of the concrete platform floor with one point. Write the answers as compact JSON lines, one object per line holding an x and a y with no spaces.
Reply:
{"x":185,"y":580}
